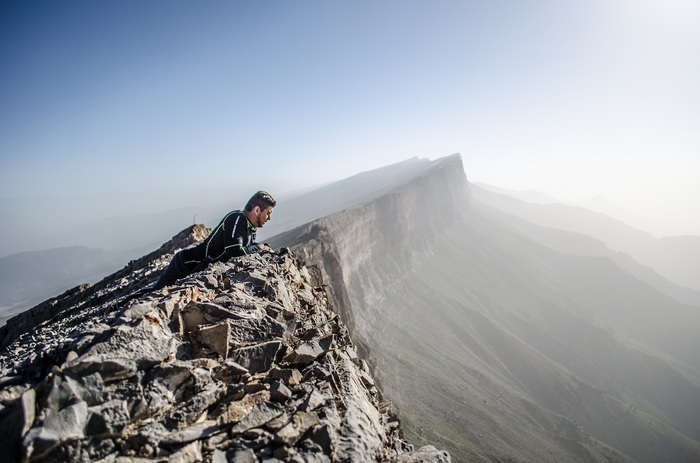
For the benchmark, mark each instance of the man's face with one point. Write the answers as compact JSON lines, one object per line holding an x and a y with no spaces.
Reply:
{"x":262,"y":215}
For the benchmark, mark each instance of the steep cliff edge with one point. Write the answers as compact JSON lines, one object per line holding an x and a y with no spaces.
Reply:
{"x":498,"y":347}
{"x":241,"y":362}
{"x":363,"y":252}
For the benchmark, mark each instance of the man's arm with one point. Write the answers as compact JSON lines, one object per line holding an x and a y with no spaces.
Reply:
{"x":239,"y":238}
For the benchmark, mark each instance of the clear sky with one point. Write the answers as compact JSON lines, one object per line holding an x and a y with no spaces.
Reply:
{"x":109,"y":107}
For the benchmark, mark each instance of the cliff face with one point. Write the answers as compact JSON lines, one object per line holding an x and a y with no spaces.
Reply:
{"x":241,"y":362}
{"x":500,"y":348}
{"x":368,"y":251}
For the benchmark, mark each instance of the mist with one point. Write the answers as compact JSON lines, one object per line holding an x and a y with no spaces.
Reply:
{"x":538,"y":324}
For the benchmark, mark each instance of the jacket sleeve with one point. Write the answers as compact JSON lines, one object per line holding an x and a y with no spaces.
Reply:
{"x":239,"y":238}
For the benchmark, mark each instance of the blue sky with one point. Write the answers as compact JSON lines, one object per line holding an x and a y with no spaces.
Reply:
{"x":113,"y":107}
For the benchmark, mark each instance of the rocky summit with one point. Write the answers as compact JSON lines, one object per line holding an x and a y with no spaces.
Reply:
{"x":243,"y":362}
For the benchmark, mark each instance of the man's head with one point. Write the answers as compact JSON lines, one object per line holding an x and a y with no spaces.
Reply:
{"x":259,"y":208}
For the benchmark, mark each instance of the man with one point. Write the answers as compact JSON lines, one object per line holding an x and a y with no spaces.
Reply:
{"x":233,"y":236}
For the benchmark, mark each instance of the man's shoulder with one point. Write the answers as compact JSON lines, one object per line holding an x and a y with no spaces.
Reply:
{"x":236,"y":213}
{"x":236,"y":216}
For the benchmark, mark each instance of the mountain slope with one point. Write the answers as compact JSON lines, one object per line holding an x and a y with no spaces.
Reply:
{"x":676,"y":258}
{"x":343,"y":194}
{"x":500,"y":348}
{"x":578,"y":244}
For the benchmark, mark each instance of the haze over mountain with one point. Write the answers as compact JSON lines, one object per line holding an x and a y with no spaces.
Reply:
{"x":28,"y":278}
{"x":675,"y":257}
{"x":496,"y":337}
{"x":500,"y":347}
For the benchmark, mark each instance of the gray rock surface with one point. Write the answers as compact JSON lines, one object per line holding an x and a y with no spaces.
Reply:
{"x":243,"y":362}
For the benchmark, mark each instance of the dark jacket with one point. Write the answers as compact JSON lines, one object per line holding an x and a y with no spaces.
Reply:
{"x":234,"y":236}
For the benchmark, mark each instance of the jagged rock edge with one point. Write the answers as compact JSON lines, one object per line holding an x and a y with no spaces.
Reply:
{"x":90,"y":363}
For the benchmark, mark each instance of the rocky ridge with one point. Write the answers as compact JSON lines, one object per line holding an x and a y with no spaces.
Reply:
{"x":244,"y":362}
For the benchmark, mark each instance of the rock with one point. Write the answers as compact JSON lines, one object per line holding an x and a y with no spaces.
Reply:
{"x":254,"y":330}
{"x":290,"y":376}
{"x":219,"y":456}
{"x":214,"y":337}
{"x":130,"y":348}
{"x":257,"y":358}
{"x":243,"y":362}
{"x":324,"y":438}
{"x":63,"y":389}
{"x":309,"y":351}
{"x":56,"y":428}
{"x":110,"y":417}
{"x":188,"y":454}
{"x":279,"y":392}
{"x":198,"y":313}
{"x":316,"y":398}
{"x":237,"y":410}
{"x":195,"y":407}
{"x":27,"y":406}
{"x":16,"y":419}
{"x":195,"y":432}
{"x":258,"y":416}
{"x":426,"y":454}
{"x":135,"y":311}
{"x":230,"y":371}
{"x":303,"y":421}
{"x":243,"y":456}
{"x":90,"y":388}
{"x":108,"y":369}
{"x":288,"y":435}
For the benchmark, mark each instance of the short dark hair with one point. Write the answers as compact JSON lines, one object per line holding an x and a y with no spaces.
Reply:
{"x":262,"y":199}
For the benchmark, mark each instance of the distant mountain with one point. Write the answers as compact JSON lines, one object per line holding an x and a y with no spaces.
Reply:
{"x":28,"y":278}
{"x":529,"y":196}
{"x":676,"y":258}
{"x":578,"y":244}
{"x":501,"y":348}
{"x":599,"y":204}
{"x":358,"y":189}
